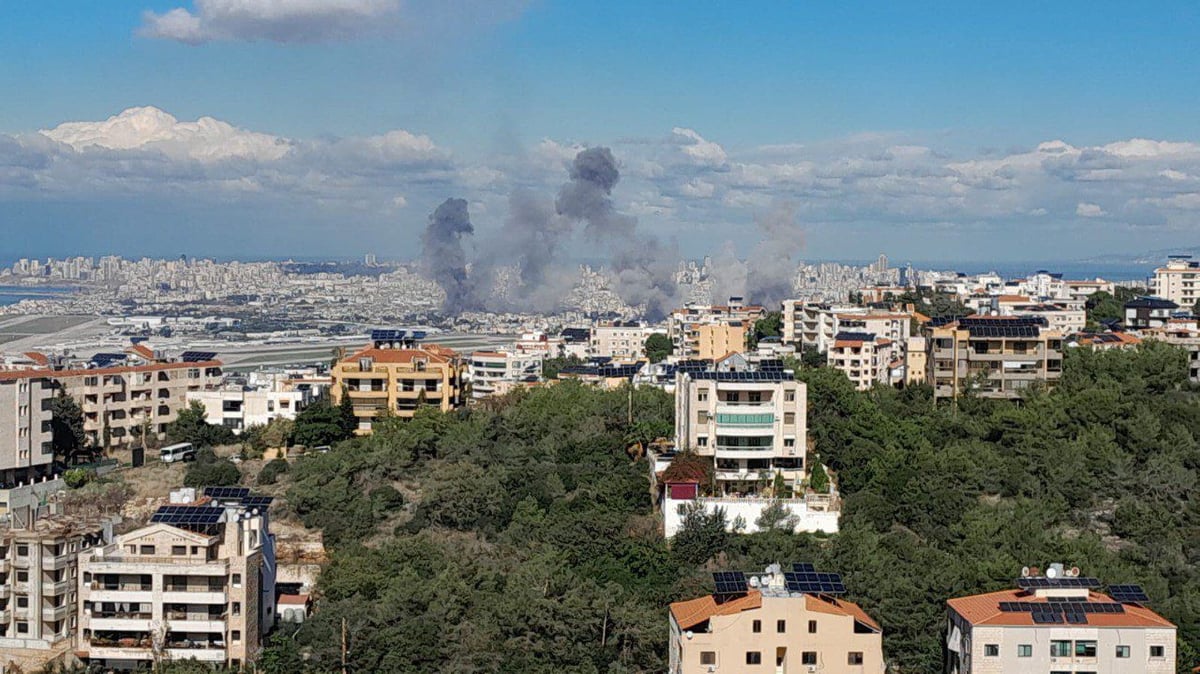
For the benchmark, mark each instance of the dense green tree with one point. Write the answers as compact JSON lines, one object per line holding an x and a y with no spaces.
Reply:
{"x":658,"y":347}
{"x":770,"y":325}
{"x":209,"y":470}
{"x":191,"y":426}
{"x":270,"y":472}
{"x":349,"y":419}
{"x":320,"y":424}
{"x":66,"y":430}
{"x":552,"y":366}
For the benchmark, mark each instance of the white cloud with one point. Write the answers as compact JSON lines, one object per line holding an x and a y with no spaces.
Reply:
{"x":698,"y":189}
{"x":270,"y":20}
{"x":1086,"y":210}
{"x":149,"y":128}
{"x":697,"y":149}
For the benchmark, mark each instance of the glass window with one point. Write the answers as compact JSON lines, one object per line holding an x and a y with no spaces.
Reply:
{"x":1060,"y":649}
{"x":854,"y":658}
{"x":991,"y":650}
{"x":756,"y":626}
{"x":1156,"y":651}
{"x":237,"y":580}
{"x":753,"y":658}
{"x":1122,"y":651}
{"x":808,"y":658}
{"x":1085,"y":649}
{"x":708,"y":657}
{"x":1025,"y":651}
{"x":781,"y":626}
{"x":812,"y":627}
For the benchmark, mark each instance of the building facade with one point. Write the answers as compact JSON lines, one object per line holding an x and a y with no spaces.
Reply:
{"x":398,"y":375}
{"x":992,"y":356}
{"x":496,"y":372}
{"x":619,"y":341}
{"x":26,"y":451}
{"x":751,"y":424}
{"x":197,"y":582}
{"x":1059,"y":623}
{"x":1145,"y":313}
{"x":239,"y":407}
{"x":1178,"y":281}
{"x":865,"y":358}
{"x":683,"y":327}
{"x":769,"y":624}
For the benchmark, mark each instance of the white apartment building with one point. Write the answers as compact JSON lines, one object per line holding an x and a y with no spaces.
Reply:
{"x":619,"y":341}
{"x":865,"y":358}
{"x":197,"y":582}
{"x":1059,"y":317}
{"x":752,"y":424}
{"x":26,"y":452}
{"x":240,"y":406}
{"x":815,"y":325}
{"x":1058,"y":623}
{"x":39,"y":577}
{"x":498,"y":372}
{"x":683,"y":326}
{"x":1178,"y":281}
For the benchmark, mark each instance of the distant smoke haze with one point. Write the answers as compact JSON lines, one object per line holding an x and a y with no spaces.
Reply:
{"x":442,"y":253}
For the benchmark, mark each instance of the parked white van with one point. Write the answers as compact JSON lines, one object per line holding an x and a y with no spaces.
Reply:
{"x":182,"y":451}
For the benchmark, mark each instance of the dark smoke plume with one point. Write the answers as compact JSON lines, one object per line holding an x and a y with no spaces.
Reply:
{"x":443,"y":255}
{"x":767,"y":277}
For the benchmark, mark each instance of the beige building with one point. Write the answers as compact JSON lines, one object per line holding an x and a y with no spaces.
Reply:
{"x":197,"y":582}
{"x":26,"y":452}
{"x":915,"y":362}
{"x":397,"y":375}
{"x":1178,"y":281}
{"x":683,"y":327}
{"x":498,"y":372}
{"x":815,"y":325}
{"x":773,"y":623}
{"x":619,"y":341}
{"x":39,"y":575}
{"x":146,"y":391}
{"x":751,"y":424}
{"x":865,"y":358}
{"x":1061,"y":623}
{"x":992,"y":356}
{"x":714,"y":341}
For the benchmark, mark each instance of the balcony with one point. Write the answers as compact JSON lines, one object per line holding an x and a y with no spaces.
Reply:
{"x":55,"y":563}
{"x":204,"y":596}
{"x":5,"y":592}
{"x":356,"y":393}
{"x":189,"y":626}
{"x":130,"y":622}
{"x":54,"y":588}
{"x":52,"y":613}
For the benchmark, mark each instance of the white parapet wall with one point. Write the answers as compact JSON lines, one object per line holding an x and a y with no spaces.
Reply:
{"x":812,"y":515}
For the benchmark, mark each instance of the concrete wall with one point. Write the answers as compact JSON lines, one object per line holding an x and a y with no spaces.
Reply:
{"x":808,"y":520}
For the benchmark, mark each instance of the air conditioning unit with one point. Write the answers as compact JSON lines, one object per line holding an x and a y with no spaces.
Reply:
{"x":812,"y":668}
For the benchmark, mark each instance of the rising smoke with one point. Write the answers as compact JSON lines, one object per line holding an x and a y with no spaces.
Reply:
{"x":767,"y":277}
{"x":442,"y":252}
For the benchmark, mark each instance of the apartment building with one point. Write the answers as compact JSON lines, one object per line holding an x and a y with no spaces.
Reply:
{"x":816,"y":325}
{"x":865,"y":358}
{"x":992,"y":356}
{"x":1149,"y":312}
{"x":916,"y":361}
{"x":772,"y":622}
{"x":498,"y":372}
{"x":683,"y":327}
{"x":398,"y":374}
{"x":1059,"y":622}
{"x":1178,"y":281}
{"x":1186,"y":336}
{"x":26,"y":452}
{"x":122,"y":394}
{"x":619,"y":341}
{"x":239,"y":406}
{"x":1059,"y":316}
{"x":751,"y":424}
{"x":603,"y":373}
{"x":39,"y":574}
{"x":197,"y":582}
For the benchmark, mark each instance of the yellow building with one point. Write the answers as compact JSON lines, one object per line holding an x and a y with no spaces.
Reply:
{"x":993,"y":356}
{"x":716,"y":340}
{"x":399,"y":375}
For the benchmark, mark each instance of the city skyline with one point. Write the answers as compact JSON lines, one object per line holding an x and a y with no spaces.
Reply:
{"x":333,"y":129}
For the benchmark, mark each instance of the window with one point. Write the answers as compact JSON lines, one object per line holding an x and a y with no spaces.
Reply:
{"x":1085,"y":649}
{"x":147,"y":550}
{"x":237,"y":608}
{"x":237,"y":580}
{"x":756,"y":626}
{"x":789,"y":396}
{"x":755,"y":396}
{"x":22,"y":628}
{"x":1025,"y":651}
{"x":781,"y":626}
{"x":179,"y":550}
{"x":1122,"y":651}
{"x":22,"y":550}
{"x":236,"y":636}
{"x":812,"y":627}
{"x":1060,"y":649}
{"x":701,"y":440}
{"x":701,"y":417}
{"x":789,"y":442}
{"x":1156,"y":651}
{"x":702,"y":396}
{"x":22,"y":576}
{"x":854,"y":658}
{"x":789,"y":418}
{"x":991,"y":650}
{"x":708,"y":657}
{"x":753,"y":658}
{"x":22,"y":602}
{"x":808,"y":658}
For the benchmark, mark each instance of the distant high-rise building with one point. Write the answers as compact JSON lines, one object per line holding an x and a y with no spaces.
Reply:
{"x":369,"y":259}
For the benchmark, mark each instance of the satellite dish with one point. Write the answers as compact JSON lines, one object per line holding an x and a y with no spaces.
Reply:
{"x":688,"y":634}
{"x":1024,"y":571}
{"x":1074,"y":571}
{"x":1052,"y":572}
{"x":753,"y":581}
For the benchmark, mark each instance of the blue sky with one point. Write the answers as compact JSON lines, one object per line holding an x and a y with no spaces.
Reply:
{"x":900,"y":126}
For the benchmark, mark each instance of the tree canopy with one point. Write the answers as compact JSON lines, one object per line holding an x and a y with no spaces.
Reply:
{"x":658,"y":347}
{"x":192,"y":426}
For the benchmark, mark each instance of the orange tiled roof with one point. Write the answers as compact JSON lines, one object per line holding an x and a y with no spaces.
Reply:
{"x":100,"y":371}
{"x":143,"y":351}
{"x":1013,"y":298}
{"x":39,"y":358}
{"x":839,"y":607}
{"x":402,"y":355}
{"x":695,"y":611}
{"x":984,"y":609}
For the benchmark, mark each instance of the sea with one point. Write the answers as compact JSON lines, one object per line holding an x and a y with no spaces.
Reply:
{"x":14,"y":294}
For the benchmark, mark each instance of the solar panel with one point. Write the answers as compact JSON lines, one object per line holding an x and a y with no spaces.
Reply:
{"x":418,"y":335}
{"x":257,"y":501}
{"x":385,"y":335}
{"x":803,"y":567}
{"x":197,"y":356}
{"x":227,"y":492}
{"x":810,"y":582}
{"x":1043,"y":583}
{"x":188,"y":515}
{"x":1128,"y":593}
{"x":729,"y":583}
